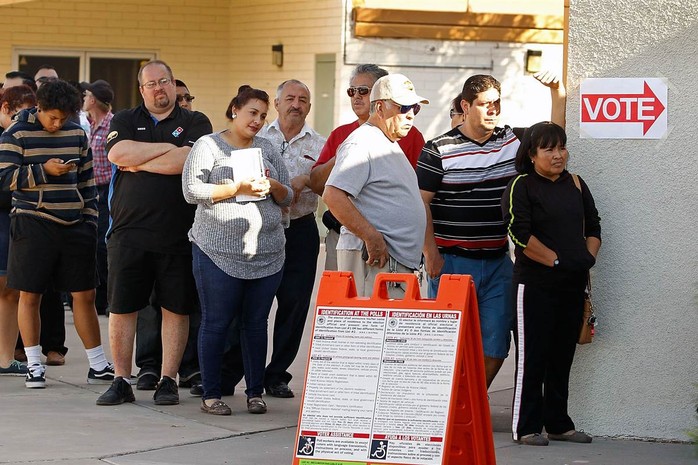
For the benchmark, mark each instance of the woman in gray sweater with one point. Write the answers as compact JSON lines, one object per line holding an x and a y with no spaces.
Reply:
{"x":237,"y":243}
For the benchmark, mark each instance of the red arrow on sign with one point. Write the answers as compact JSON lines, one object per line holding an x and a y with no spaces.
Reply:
{"x":642,"y":108}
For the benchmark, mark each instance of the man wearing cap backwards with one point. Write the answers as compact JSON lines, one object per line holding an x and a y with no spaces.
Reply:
{"x":97,"y":103}
{"x":373,"y":189}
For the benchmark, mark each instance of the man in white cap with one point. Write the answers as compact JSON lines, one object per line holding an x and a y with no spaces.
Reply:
{"x":373,"y":189}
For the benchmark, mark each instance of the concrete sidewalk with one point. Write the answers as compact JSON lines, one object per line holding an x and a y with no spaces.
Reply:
{"x":62,"y":424}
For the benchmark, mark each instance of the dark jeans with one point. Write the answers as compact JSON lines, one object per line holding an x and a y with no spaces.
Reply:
{"x":102,"y":225}
{"x":293,"y":297}
{"x":224,"y":298}
{"x":52,"y":337}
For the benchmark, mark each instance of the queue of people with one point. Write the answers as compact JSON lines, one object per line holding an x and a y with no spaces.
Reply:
{"x":188,"y":236}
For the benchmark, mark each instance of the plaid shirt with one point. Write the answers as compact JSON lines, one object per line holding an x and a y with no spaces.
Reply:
{"x":98,"y":143}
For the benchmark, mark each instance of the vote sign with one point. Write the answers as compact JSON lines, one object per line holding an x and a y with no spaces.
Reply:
{"x":623,"y":108}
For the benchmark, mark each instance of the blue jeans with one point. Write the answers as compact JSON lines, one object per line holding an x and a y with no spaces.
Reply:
{"x":492,"y":278}
{"x":223,"y":299}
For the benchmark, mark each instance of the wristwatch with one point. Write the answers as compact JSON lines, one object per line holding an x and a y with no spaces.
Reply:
{"x":556,"y":263}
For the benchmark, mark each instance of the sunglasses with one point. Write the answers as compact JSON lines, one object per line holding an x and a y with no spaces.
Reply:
{"x":186,"y":97}
{"x":452,"y":113}
{"x":362,"y":90}
{"x":406,"y":108}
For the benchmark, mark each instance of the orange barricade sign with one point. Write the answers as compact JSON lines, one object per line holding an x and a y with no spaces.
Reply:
{"x":395,"y":381}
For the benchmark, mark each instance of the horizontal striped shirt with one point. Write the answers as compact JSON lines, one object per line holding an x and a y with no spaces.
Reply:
{"x":24,"y":147}
{"x":468,"y":179}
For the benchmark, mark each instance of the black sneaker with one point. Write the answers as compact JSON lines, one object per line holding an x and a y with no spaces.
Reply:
{"x":279,"y":389}
{"x":35,"y":378}
{"x":189,"y":381}
{"x":197,"y":390}
{"x":105,"y":376}
{"x":147,"y":381}
{"x":166,"y":392}
{"x":119,"y":392}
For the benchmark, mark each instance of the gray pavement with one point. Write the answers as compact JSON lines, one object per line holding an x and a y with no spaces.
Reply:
{"x":62,"y":424}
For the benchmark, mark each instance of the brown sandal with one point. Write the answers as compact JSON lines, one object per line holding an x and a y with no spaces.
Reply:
{"x":256,"y":405}
{"x":217,"y":408}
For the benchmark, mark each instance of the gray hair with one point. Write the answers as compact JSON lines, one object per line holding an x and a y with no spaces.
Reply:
{"x":375,"y":71}
{"x":280,"y":89}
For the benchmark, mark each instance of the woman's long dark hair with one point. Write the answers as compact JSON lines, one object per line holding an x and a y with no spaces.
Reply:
{"x":541,"y":135}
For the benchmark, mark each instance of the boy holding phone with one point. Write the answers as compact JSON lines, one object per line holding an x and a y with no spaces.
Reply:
{"x":46,"y":163}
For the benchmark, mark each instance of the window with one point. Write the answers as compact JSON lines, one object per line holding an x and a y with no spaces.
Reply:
{"x":120,"y":69}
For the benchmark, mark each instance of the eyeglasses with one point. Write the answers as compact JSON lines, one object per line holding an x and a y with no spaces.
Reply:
{"x":284,"y":146}
{"x":186,"y":97}
{"x":406,"y":108}
{"x":452,"y":113}
{"x":161,"y":82}
{"x":45,"y":79}
{"x":362,"y":90}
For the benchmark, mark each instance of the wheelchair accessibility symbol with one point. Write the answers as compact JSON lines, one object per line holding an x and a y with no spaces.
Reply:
{"x":379,"y":449}
{"x":306,"y":446}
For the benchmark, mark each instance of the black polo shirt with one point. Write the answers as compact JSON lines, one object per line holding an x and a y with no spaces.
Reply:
{"x":148,"y":210}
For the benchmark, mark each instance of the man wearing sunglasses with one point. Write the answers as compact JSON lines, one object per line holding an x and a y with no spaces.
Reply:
{"x":373,"y":189}
{"x":362,"y":79}
{"x":184,"y":98}
{"x":462,"y":176}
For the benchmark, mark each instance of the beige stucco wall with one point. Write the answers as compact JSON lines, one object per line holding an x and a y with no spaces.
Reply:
{"x":191,"y":36}
{"x":639,"y":377}
{"x":304,"y":28}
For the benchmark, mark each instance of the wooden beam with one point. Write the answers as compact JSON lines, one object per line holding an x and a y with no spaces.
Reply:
{"x":458,"y":26}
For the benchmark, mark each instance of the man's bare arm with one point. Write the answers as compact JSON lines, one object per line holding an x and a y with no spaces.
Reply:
{"x":319,"y":175}
{"x":169,"y":163}
{"x":557,"y":94}
{"x":346,"y":212}
{"x":133,"y":153}
{"x":433,"y":261}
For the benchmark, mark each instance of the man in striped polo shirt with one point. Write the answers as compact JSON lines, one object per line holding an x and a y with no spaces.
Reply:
{"x":46,"y":162}
{"x":462,"y":175}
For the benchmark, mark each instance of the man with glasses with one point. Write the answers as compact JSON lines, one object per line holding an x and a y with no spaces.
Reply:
{"x":148,"y":338}
{"x":44,"y":74}
{"x":373,"y":188}
{"x":184,"y":98}
{"x":300,"y":146}
{"x":148,"y":248}
{"x":455,"y":112}
{"x":462,"y":176}
{"x":362,"y":79}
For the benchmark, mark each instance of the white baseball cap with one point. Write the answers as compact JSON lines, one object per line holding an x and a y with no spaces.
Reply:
{"x":398,"y":88}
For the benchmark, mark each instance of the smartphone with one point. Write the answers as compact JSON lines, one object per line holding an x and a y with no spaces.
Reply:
{"x":72,"y":160}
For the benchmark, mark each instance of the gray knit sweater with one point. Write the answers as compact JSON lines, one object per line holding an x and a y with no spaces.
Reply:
{"x":244,"y":239}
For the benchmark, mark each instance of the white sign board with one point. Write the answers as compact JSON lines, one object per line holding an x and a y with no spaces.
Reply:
{"x":623,"y":108}
{"x":378,"y":386}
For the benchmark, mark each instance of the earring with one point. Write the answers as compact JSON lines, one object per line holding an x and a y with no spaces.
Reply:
{"x":235,"y":115}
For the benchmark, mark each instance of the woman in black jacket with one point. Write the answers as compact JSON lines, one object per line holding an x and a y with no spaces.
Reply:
{"x":555,"y":228}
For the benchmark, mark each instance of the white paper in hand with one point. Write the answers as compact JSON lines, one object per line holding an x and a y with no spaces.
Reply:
{"x":247,"y":163}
